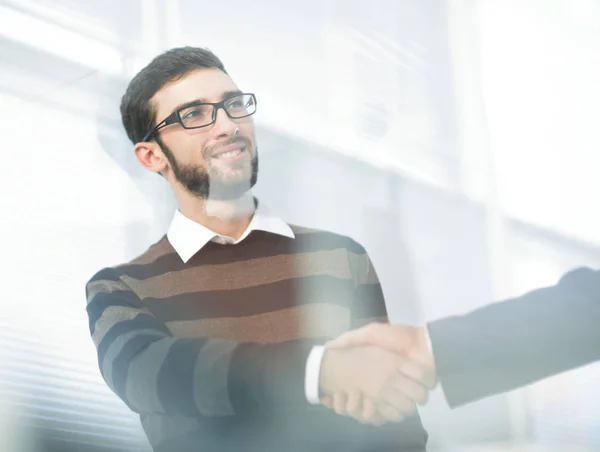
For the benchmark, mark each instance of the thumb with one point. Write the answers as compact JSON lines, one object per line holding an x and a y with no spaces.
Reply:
{"x":355,"y":338}
{"x":327,"y":401}
{"x":393,"y":338}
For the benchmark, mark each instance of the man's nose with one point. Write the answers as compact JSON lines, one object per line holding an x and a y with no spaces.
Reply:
{"x":224,"y":125}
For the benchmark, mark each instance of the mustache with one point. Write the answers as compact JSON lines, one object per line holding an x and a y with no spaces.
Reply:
{"x":211,"y":150}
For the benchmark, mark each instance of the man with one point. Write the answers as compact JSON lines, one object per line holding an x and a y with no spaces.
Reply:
{"x":214,"y":335}
{"x":496,"y":348}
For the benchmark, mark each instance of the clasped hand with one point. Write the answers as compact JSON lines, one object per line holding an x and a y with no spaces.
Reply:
{"x":378,"y":373}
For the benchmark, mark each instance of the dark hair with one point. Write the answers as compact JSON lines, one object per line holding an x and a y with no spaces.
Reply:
{"x":137,"y":114}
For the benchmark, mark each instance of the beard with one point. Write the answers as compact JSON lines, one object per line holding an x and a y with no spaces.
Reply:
{"x":210,"y":184}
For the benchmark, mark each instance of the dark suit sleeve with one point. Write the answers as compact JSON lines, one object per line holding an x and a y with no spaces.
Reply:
{"x":512,"y":343}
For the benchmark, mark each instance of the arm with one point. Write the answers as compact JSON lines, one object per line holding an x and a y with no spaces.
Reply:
{"x":154,"y":372}
{"x":396,"y":395}
{"x":509,"y":344}
{"x":369,"y":303}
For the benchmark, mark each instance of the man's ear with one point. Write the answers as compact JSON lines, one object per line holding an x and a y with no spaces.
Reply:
{"x":151,"y":156}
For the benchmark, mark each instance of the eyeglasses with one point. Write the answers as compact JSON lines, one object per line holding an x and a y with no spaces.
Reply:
{"x":203,"y":114}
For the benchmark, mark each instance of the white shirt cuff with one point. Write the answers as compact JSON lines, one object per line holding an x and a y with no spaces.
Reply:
{"x":313,"y":374}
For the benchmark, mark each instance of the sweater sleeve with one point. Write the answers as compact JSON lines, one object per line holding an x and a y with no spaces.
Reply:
{"x":369,"y":302}
{"x":154,"y":372}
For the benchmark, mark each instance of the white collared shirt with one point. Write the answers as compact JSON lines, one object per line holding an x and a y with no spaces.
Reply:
{"x":188,"y":237}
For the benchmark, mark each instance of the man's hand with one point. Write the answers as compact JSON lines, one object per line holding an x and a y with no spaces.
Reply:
{"x":418,"y":367}
{"x":408,"y":341}
{"x":400,"y":339}
{"x":367,"y":382}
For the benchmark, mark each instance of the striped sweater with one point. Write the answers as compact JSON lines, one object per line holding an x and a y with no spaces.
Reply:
{"x":211,"y":353}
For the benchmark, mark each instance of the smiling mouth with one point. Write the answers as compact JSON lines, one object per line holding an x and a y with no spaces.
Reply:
{"x":230,"y":153}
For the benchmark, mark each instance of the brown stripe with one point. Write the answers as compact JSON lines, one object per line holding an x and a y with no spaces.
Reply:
{"x":243,"y":274}
{"x":258,"y":244}
{"x":254,"y":300}
{"x":163,"y":246}
{"x":302,"y":322}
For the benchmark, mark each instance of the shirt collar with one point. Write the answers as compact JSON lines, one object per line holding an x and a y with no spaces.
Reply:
{"x":188,"y":237}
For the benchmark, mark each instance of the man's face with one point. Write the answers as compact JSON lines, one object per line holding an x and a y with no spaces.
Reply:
{"x":212,"y":162}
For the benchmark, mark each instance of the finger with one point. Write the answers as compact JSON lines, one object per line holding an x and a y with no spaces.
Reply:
{"x":389,"y":413}
{"x":421,"y":373}
{"x":363,"y":412}
{"x":398,"y":401}
{"x":339,"y":404}
{"x":358,"y":414}
{"x":394,"y":338}
{"x":369,"y":411}
{"x":411,"y":389}
{"x":327,"y":401}
{"x":377,"y":419}
{"x":354,"y":404}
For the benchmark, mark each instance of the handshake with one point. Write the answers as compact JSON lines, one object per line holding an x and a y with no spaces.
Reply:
{"x":377,"y":374}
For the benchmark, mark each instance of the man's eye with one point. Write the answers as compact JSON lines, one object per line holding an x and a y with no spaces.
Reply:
{"x":200,"y":111}
{"x":194,"y":113}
